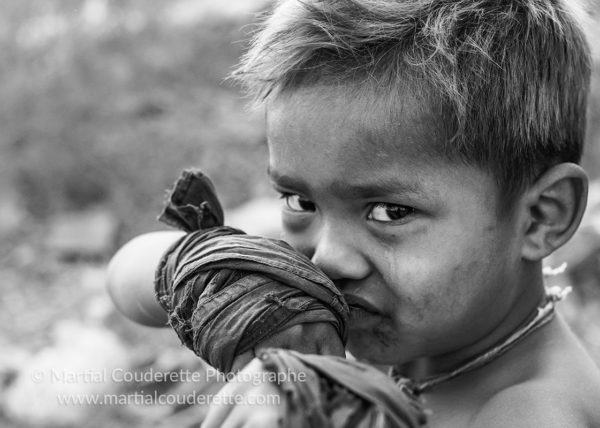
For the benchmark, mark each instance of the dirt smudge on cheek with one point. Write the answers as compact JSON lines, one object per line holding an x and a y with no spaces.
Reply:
{"x":466,"y":279}
{"x":421,"y":309}
{"x":386,"y":333}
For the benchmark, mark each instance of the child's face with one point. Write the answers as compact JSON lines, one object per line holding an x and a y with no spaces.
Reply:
{"x":411,"y":239}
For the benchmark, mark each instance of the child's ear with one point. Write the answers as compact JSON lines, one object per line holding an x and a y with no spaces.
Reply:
{"x":554,"y":206}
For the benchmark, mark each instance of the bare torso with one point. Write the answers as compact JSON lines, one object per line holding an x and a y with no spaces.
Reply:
{"x":546,"y":380}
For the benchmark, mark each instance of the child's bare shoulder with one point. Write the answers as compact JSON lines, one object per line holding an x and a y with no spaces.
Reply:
{"x":540,"y":404}
{"x":562,"y":392}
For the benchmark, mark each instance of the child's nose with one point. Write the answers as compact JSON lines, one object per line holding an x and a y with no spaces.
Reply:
{"x":338,"y":254}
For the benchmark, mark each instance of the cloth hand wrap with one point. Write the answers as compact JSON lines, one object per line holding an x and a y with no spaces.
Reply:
{"x":225,"y":291}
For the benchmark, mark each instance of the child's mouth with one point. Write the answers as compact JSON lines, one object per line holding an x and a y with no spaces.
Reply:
{"x":356,"y":303}
{"x":361,"y":310}
{"x":358,"y":313}
{"x":360,"y":318}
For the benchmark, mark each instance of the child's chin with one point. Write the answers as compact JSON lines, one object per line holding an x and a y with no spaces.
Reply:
{"x":370,"y":355}
{"x":364,"y":346}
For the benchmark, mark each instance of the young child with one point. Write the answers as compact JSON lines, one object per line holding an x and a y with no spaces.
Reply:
{"x":227,"y":294}
{"x":426,"y":152}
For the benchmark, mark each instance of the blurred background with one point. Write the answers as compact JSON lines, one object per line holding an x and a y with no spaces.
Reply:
{"x":103,"y":103}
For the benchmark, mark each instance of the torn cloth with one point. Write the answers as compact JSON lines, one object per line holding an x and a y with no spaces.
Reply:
{"x":339,"y":393}
{"x":225,"y":291}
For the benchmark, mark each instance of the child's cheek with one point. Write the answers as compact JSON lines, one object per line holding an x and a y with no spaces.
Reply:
{"x":295,"y":223}
{"x":297,"y":233}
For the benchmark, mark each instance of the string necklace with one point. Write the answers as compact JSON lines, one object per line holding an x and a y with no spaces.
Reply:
{"x":544,"y":314}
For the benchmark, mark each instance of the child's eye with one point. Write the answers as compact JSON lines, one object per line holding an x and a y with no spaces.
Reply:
{"x":296,"y":203}
{"x":386,"y":213}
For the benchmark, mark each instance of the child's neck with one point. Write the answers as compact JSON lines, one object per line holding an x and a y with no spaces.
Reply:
{"x":518,"y":315}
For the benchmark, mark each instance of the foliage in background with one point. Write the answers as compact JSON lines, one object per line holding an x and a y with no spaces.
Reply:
{"x":104,"y":103}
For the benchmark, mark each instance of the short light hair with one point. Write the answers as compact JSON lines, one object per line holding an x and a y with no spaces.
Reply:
{"x":509,"y":77}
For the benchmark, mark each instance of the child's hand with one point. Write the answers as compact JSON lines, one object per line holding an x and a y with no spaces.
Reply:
{"x":249,"y":400}
{"x":313,"y":338}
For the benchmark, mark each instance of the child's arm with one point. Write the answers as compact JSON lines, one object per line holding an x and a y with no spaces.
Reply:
{"x":131,"y":273}
{"x":130,"y":283}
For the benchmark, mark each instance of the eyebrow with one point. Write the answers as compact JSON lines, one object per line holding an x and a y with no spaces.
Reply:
{"x":285,"y":180}
{"x":348,"y":189}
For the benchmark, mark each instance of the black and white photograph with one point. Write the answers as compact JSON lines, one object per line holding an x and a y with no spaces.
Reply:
{"x":300,"y":214}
